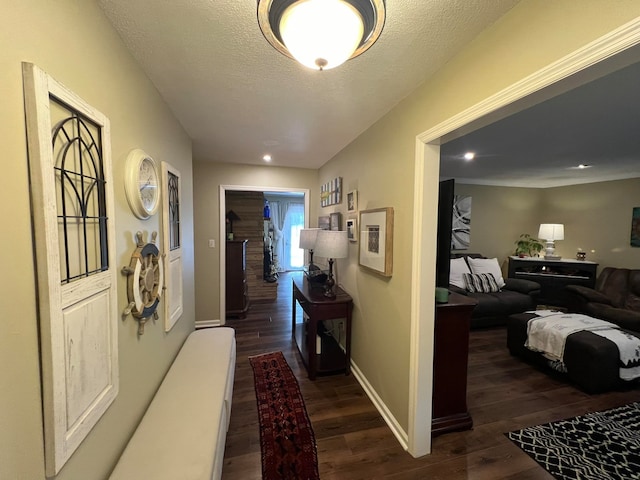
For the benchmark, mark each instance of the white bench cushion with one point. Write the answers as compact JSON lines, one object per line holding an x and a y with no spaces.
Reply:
{"x":182,"y":434}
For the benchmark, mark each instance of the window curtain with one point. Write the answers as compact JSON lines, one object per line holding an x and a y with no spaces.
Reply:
{"x":277,"y":220}
{"x":293,"y":255}
{"x":284,"y":214}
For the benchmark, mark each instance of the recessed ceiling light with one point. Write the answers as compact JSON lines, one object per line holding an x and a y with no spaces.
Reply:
{"x":469,"y":156}
{"x":267,"y":158}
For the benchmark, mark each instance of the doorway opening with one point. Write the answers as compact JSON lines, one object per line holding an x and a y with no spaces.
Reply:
{"x":530,"y":90}
{"x":260,"y":281}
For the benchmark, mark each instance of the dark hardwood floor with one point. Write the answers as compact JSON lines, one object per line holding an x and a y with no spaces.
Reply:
{"x":353,"y":440}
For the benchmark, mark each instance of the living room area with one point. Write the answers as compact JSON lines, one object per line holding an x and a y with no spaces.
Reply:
{"x":598,"y":215}
{"x":597,"y":219}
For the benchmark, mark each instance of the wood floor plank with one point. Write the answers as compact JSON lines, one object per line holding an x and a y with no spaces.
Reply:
{"x":354,"y":442}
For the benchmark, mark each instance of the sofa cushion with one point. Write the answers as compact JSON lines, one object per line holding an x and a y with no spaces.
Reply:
{"x":458,"y":266}
{"x":480,"y":283}
{"x":489,"y":305}
{"x":487,"y":265}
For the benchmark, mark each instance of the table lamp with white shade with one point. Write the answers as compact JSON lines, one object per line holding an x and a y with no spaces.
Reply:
{"x":550,"y":232}
{"x":308,"y":237}
{"x":331,"y":244}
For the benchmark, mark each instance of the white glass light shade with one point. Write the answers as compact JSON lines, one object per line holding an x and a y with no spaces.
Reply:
{"x":321,"y":34}
{"x":332,"y":244}
{"x":308,"y":238}
{"x":551,"y":231}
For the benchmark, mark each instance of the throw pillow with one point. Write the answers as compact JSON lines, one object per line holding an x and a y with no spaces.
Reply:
{"x":480,"y":283}
{"x":487,"y":265}
{"x":457,"y":267}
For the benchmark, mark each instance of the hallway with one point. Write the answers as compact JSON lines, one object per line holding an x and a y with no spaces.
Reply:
{"x":349,"y":431}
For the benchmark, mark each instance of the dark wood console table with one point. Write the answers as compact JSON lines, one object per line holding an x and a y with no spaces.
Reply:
{"x":450,"y":359}
{"x":553,"y":276}
{"x":315,"y":309}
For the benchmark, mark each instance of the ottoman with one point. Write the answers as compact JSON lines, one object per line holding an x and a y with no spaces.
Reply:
{"x":592,"y":362}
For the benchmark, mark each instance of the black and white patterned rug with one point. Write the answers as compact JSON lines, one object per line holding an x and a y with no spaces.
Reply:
{"x":600,"y":445}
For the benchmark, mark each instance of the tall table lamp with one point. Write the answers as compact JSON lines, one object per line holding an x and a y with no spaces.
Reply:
{"x":308,"y":237}
{"x":551,"y":232}
{"x":331,"y":244}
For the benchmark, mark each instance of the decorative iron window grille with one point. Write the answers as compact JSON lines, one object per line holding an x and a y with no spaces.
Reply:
{"x":80,"y":193}
{"x":174,"y":211}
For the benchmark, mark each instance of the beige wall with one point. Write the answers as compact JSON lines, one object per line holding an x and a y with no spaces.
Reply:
{"x":596,"y":216}
{"x":499,"y":215}
{"x":208,"y":177}
{"x":74,"y":43}
{"x":380,"y":163}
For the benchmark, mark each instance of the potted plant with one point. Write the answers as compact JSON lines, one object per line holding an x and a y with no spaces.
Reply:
{"x":527,"y":246}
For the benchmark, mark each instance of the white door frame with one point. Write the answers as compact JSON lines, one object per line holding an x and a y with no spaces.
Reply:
{"x":427,"y":165}
{"x":222,"y":228}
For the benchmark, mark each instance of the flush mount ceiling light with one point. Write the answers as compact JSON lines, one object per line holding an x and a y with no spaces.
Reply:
{"x":321,"y":34}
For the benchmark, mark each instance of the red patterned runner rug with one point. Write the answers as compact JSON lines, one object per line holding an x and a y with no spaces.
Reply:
{"x":286,"y":437}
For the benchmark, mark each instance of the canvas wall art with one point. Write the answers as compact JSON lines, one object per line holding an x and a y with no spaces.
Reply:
{"x":461,"y":223}
{"x":331,"y":192}
{"x":635,"y":227}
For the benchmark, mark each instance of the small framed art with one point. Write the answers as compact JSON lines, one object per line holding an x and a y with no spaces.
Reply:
{"x":352,"y":201}
{"x":335,"y":220}
{"x":376,"y":240}
{"x":324,"y":222}
{"x":352,"y":229}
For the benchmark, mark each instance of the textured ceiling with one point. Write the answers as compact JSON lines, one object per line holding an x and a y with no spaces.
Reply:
{"x":238,"y":98}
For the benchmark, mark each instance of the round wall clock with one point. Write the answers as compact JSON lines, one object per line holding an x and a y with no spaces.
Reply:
{"x":142,"y":184}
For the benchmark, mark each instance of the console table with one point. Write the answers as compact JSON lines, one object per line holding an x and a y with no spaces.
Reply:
{"x":315,"y":309}
{"x":450,"y":359}
{"x":553,"y":276}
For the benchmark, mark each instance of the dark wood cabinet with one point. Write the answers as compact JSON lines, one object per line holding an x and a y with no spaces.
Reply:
{"x":450,"y":359}
{"x":321,"y":353}
{"x":237,"y":294}
{"x":553,"y":276}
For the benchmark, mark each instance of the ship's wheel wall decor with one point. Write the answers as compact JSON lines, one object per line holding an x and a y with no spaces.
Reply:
{"x":145,"y":281}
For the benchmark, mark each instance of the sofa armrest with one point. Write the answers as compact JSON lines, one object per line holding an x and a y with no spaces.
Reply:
{"x":521,"y":285}
{"x":461,"y":291}
{"x":588,"y":294}
{"x":627,"y":319}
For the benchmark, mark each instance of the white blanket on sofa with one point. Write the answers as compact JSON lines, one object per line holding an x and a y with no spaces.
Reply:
{"x":549,"y":331}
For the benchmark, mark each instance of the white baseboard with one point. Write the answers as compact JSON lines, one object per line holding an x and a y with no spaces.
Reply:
{"x":207,"y":323}
{"x":391,"y":421}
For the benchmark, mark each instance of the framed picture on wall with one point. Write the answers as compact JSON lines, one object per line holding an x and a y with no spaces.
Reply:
{"x":352,"y":201}
{"x":324,"y":222}
{"x":635,"y":227}
{"x":335,"y":220}
{"x":352,"y":229}
{"x":331,"y":192}
{"x":376,"y":240}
